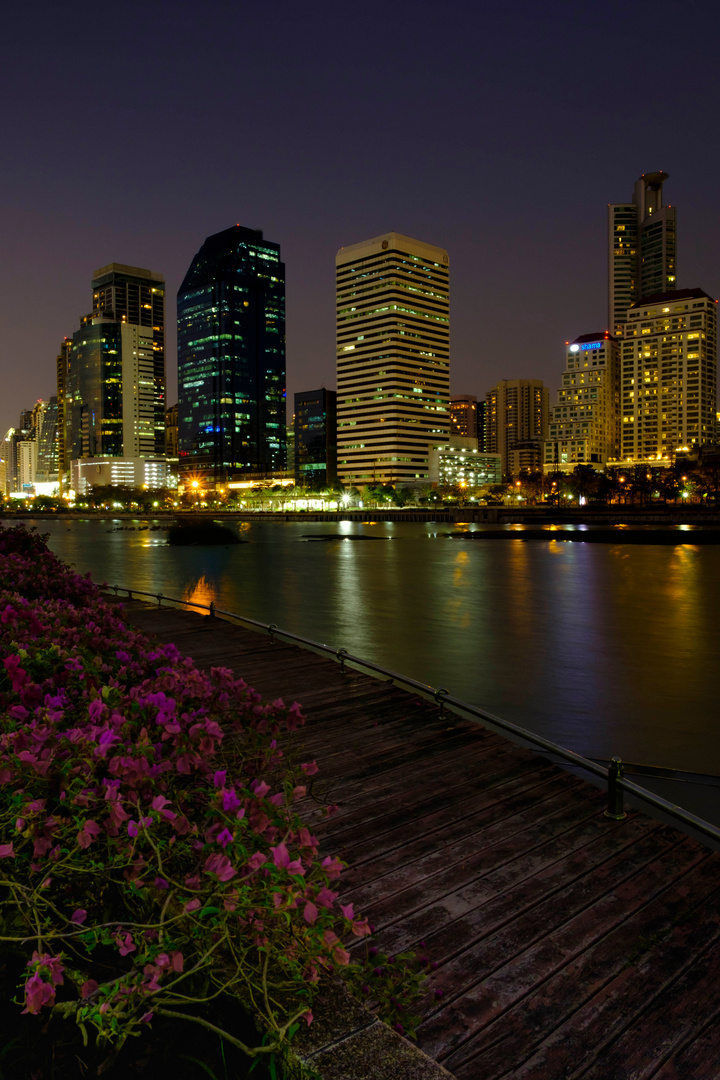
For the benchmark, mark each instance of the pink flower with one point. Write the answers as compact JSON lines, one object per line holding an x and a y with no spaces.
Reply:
{"x":7,"y":851}
{"x":260,"y":788}
{"x":309,"y":768}
{"x":125,"y":944}
{"x":192,"y":905}
{"x":89,"y":832}
{"x":326,"y":897}
{"x":38,"y":993}
{"x":79,"y":916}
{"x":230,"y":800}
{"x":348,"y":911}
{"x":310,"y":913}
{"x":255,"y":861}
{"x":88,"y":988}
{"x":221,"y":866}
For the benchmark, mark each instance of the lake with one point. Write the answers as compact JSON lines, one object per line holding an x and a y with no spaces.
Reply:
{"x":603,"y":648}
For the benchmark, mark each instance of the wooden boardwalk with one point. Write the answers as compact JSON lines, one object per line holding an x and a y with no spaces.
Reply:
{"x":567,"y":945}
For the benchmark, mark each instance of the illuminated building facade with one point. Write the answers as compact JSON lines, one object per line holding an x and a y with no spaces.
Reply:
{"x":45,"y":415}
{"x":517,"y":412}
{"x":315,"y":441}
{"x":393,"y":358}
{"x":135,"y":297}
{"x":111,"y":380}
{"x":151,"y":473}
{"x":669,"y":376}
{"x":231,"y":358}
{"x":467,"y":418}
{"x":642,"y":251}
{"x":460,"y":464}
{"x":584,"y":425}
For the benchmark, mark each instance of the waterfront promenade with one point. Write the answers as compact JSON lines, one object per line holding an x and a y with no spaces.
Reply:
{"x":567,"y":945}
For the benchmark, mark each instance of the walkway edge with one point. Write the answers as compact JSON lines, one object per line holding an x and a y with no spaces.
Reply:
{"x":347,"y":1042}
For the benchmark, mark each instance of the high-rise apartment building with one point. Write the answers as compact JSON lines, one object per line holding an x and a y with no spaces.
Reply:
{"x":584,"y":425}
{"x":393,"y":358}
{"x":516,"y":418}
{"x":62,"y":366}
{"x":231,"y":358}
{"x":315,"y":442}
{"x":467,"y":417}
{"x":642,"y":250}
{"x":111,"y":381}
{"x":669,"y":375}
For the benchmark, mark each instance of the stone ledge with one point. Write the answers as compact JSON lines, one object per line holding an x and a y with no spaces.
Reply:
{"x":347,"y":1042}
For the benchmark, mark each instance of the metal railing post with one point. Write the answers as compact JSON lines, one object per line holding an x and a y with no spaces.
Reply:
{"x":615,"y":809}
{"x":341,"y":654}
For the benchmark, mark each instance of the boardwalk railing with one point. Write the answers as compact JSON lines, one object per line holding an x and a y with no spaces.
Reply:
{"x":612,"y":776}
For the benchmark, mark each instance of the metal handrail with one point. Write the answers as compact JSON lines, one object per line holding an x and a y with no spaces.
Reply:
{"x":616,"y":782}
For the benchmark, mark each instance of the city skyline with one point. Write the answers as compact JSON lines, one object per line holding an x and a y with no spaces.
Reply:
{"x":504,"y":154}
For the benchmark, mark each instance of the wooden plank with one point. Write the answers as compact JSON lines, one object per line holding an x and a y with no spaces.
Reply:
{"x":409,"y":888}
{"x":545,"y":985}
{"x":590,"y":855}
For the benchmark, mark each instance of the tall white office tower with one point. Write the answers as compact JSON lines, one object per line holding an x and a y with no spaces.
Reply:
{"x":393,"y":358}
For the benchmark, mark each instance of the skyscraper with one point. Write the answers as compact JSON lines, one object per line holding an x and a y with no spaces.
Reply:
{"x":136,"y":298}
{"x":393,"y":358}
{"x":516,"y":420}
{"x":231,"y":358}
{"x":583,"y":427}
{"x":642,"y":248}
{"x":315,"y":442}
{"x":111,"y":382}
{"x":669,"y":375}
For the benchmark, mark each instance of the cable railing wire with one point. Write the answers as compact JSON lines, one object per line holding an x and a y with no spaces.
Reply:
{"x":613,"y":775}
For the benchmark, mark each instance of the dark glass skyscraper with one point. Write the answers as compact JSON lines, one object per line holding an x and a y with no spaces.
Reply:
{"x":316,"y":437}
{"x":231,"y":358}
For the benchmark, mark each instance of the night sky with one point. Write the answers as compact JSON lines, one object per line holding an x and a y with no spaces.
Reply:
{"x":132,"y":131}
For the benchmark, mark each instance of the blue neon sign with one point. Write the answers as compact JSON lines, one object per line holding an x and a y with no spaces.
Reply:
{"x":595,"y":345}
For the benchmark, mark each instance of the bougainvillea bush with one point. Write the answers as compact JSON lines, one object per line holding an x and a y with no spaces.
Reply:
{"x":151,"y":859}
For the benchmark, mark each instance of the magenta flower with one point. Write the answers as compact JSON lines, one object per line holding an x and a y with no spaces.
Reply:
{"x":219,"y":778}
{"x":230,"y":800}
{"x":310,"y":912}
{"x":7,"y":851}
{"x":225,"y":837}
{"x":221,"y":866}
{"x":89,"y":832}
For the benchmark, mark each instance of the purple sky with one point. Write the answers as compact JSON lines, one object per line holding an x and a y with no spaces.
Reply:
{"x":497,"y":131}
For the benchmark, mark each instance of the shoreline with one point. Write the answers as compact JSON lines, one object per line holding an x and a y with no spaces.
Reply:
{"x":642,"y":518}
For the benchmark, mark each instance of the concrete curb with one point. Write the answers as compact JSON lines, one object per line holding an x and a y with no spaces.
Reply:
{"x":347,"y":1042}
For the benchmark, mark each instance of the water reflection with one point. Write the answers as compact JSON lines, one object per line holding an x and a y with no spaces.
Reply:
{"x":202,"y":592}
{"x":608,"y":649}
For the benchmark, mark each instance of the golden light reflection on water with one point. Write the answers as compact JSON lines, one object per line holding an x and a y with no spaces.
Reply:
{"x":457,"y":607}
{"x":201,"y":592}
